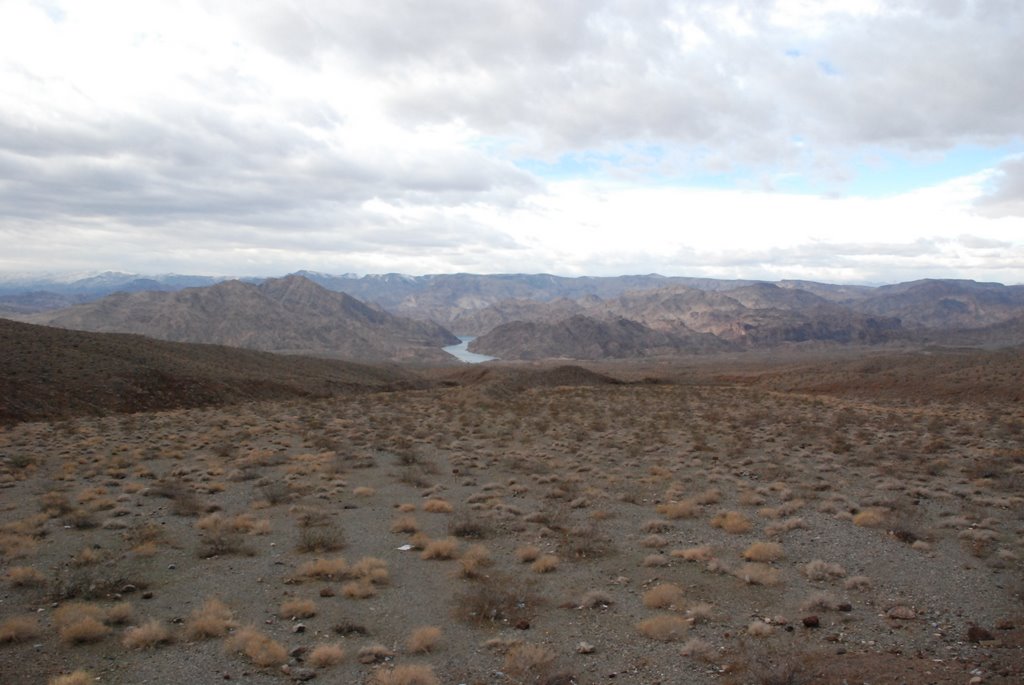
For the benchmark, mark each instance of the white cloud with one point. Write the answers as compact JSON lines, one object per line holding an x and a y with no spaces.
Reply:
{"x":350,"y":136}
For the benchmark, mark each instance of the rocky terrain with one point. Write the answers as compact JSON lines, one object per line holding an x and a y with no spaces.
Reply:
{"x":844,"y":517}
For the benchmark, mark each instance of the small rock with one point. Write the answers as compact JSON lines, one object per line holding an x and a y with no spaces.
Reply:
{"x":901,"y":612}
{"x":147,"y":594}
{"x":128,"y":589}
{"x":975,"y":680}
{"x":1005,"y":624}
{"x":327,"y":591}
{"x":522,"y":624}
{"x":171,"y":567}
{"x":299,"y":628}
{"x":845,"y":606}
{"x":811,"y":622}
{"x":584,"y":648}
{"x":978,"y":634}
{"x":303,"y":674}
{"x":297,"y":652}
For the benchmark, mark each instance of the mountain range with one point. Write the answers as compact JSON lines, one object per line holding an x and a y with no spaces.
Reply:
{"x":522,"y":316}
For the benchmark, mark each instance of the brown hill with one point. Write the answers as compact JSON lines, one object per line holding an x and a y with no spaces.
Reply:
{"x":53,"y":373}
{"x":291,"y":315}
{"x":583,"y":337}
{"x":946,"y":304}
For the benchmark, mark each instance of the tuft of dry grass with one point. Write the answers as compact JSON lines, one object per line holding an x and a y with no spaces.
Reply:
{"x":683,"y":509}
{"x":375,"y":653}
{"x":297,"y":608}
{"x":258,"y":647}
{"x":440,"y":549}
{"x":699,"y":649}
{"x":756,"y":573}
{"x":414,"y":674}
{"x":870,"y":518}
{"x":820,"y":600}
{"x":664,"y":596}
{"x":595,"y":599}
{"x":545,"y":564}
{"x":18,"y":629}
{"x":120,"y":614}
{"x":664,"y":627}
{"x":25,"y":576}
{"x":148,"y":635}
{"x":857,"y":583}
{"x":364,"y":491}
{"x":763,"y":551}
{"x":424,"y":639}
{"x":83,"y":630}
{"x":359,"y":589}
{"x":371,"y":570}
{"x":78,"y":677}
{"x":759,"y":629}
{"x":700,"y":553}
{"x":325,"y":656}
{"x":436,"y":505}
{"x":528,"y":553}
{"x":324,"y":569}
{"x":822,"y":570}
{"x":405,"y":524}
{"x":733,"y":522}
{"x":528,"y":662}
{"x":213,"y":619}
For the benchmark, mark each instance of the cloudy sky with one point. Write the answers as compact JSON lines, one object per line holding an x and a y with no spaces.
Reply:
{"x":839,"y":140}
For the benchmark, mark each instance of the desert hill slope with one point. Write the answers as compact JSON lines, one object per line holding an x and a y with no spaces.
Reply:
{"x":292,"y":315}
{"x":52,"y":373}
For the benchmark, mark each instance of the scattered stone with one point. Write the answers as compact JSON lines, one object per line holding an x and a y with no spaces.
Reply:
{"x":975,"y":680}
{"x":845,"y":606}
{"x":299,"y":628}
{"x":811,"y":622}
{"x":584,"y":648}
{"x":327,"y":591}
{"x":297,"y":652}
{"x":976,"y":633}
{"x":171,"y":567}
{"x":903,"y":613}
{"x":148,"y":594}
{"x":1005,"y":624}
{"x":128,"y":589}
{"x":303,"y":674}
{"x":522,"y":624}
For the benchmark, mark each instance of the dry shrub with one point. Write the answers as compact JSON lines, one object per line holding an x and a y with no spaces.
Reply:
{"x":545,"y":564}
{"x":654,"y":541}
{"x":375,"y":653}
{"x":424,"y":639}
{"x":436,"y":505}
{"x":700,"y":553}
{"x":364,"y":491}
{"x":698,"y":649}
{"x":87,"y":556}
{"x":213,"y":619}
{"x":148,"y":635}
{"x":497,"y":598}
{"x":325,"y":656}
{"x":733,"y":522}
{"x":78,"y":677}
{"x":475,"y":559}
{"x":528,"y":553}
{"x":120,"y":614}
{"x":664,"y":627}
{"x":655,"y":560}
{"x":664,"y":596}
{"x":405,"y":524}
{"x":25,"y":576}
{"x":359,"y":589}
{"x":777,"y":529}
{"x":701,"y":612}
{"x":440,"y":549}
{"x":259,"y":648}
{"x":709,"y":496}
{"x":820,"y":600}
{"x":822,"y":570}
{"x":759,"y":629}
{"x":870,"y":518}
{"x":756,"y":573}
{"x":763,"y":551}
{"x":683,"y":509}
{"x":327,"y":538}
{"x":83,"y":630}
{"x":528,"y":662}
{"x":857,"y":583}
{"x":18,"y":628}
{"x":370,"y":569}
{"x":297,"y":608}
{"x":324,"y":569}
{"x":595,"y":599}
{"x":406,"y":675}
{"x":656,"y":526}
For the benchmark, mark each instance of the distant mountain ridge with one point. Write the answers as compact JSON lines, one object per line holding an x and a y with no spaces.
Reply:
{"x":291,"y":315}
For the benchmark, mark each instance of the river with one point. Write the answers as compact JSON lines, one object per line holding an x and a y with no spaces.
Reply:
{"x":460,"y":352}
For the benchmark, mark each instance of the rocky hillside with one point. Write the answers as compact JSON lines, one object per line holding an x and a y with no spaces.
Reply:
{"x":291,"y":315}
{"x":53,"y":373}
{"x":583,"y":337}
